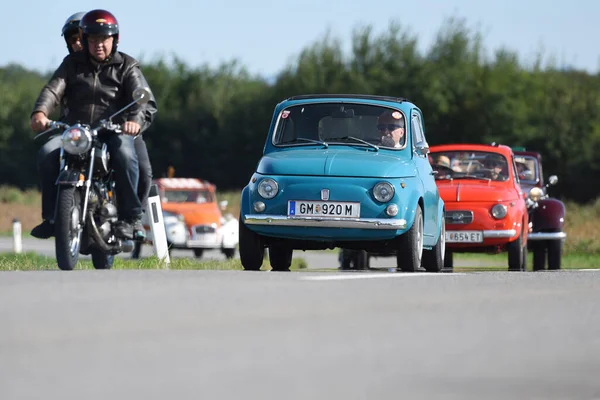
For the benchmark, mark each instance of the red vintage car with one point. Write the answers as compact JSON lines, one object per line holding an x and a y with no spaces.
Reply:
{"x":485,"y":205}
{"x":546,"y":215}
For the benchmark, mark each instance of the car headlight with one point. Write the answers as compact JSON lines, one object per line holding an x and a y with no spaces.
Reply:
{"x":77,"y":140}
{"x":499,"y":211}
{"x":383,"y":192}
{"x":536,"y":193}
{"x":172,"y":218}
{"x":268,"y":188}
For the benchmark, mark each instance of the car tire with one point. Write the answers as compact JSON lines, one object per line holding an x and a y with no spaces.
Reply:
{"x":517,"y":254}
{"x":539,"y":255}
{"x":361,"y":260}
{"x":252,"y":250}
{"x":554,"y":254}
{"x":433,"y":260}
{"x":410,"y":245}
{"x":345,"y":259}
{"x":449,"y":261}
{"x":229,"y":253}
{"x":280,"y":258}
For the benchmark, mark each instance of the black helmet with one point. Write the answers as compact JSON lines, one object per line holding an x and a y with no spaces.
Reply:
{"x":99,"y":22}
{"x":71,"y":26}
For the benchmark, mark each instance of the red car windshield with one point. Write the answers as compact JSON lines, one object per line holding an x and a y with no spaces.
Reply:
{"x":469,"y":165}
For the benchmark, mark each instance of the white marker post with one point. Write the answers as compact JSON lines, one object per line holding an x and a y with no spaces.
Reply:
{"x":157,"y":225}
{"x":17,"y":237}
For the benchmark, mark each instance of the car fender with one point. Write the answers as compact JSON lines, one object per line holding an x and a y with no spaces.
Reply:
{"x":548,"y":216}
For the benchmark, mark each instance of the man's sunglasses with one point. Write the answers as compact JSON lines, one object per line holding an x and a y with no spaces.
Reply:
{"x":389,"y":127}
{"x":74,"y":39}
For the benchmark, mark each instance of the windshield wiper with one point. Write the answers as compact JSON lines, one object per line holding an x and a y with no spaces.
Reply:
{"x":473,"y":177}
{"x":301,"y":139}
{"x":357,"y":140}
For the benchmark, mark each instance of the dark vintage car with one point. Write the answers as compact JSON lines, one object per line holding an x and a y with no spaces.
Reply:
{"x":546,"y":215}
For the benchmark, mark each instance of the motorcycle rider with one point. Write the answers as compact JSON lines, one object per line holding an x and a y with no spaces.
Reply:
{"x":72,"y":35}
{"x":95,"y":83}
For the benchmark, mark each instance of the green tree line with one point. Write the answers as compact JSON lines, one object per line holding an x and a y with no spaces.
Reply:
{"x":212,"y":122}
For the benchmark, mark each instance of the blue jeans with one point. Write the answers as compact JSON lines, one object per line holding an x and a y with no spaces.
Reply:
{"x":124,"y":162}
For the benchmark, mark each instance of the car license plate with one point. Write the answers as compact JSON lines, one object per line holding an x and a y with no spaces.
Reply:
{"x":339,"y":209}
{"x":464,"y":236}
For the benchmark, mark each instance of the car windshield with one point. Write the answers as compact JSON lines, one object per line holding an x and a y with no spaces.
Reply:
{"x":334,"y":123}
{"x":469,"y":165}
{"x":527,"y":169}
{"x":187,"y":196}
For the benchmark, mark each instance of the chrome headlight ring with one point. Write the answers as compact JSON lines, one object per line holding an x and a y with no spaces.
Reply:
{"x":499,"y":211}
{"x":77,"y":139}
{"x":268,"y":188}
{"x":535,"y":194}
{"x":383,"y":192}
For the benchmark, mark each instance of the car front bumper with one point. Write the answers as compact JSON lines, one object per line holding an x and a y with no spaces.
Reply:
{"x":328,"y":222}
{"x":546,"y":236}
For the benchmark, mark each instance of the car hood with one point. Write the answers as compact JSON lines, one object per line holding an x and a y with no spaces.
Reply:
{"x":336,"y":162}
{"x":461,"y":191}
{"x":195,"y":214}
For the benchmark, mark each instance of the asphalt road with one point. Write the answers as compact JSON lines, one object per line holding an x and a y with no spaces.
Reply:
{"x":308,"y":335}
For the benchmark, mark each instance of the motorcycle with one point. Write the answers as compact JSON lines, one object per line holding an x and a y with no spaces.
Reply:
{"x":86,"y":212}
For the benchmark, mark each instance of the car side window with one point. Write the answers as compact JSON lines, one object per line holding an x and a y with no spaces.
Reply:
{"x":417,"y":131}
{"x":515,"y":169}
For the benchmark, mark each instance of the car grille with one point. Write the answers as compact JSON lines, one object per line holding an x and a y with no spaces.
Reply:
{"x":459,"y":217}
{"x":200,"y":229}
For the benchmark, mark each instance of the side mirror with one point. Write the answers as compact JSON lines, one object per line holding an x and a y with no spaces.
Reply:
{"x":223,"y":204}
{"x":141,"y":95}
{"x":552,"y":180}
{"x":423,"y":150}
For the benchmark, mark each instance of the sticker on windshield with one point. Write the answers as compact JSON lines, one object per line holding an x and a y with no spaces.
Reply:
{"x":397,"y":115}
{"x":285,"y":114}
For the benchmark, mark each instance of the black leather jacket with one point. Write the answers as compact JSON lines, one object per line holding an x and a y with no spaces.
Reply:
{"x":94,"y":91}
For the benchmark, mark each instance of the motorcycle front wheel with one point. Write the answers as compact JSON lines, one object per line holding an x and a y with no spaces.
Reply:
{"x":67,"y":232}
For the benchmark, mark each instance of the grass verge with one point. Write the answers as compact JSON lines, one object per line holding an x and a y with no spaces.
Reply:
{"x":32,"y":261}
{"x":499,"y":262}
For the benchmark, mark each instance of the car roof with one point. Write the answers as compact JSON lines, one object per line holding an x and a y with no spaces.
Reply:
{"x":385,"y":101}
{"x":183,"y":183}
{"x":351,"y":96}
{"x":527,"y":153}
{"x":493,"y":148}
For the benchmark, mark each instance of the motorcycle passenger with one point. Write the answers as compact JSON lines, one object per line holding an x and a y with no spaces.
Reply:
{"x":70,"y":31}
{"x":95,"y":83}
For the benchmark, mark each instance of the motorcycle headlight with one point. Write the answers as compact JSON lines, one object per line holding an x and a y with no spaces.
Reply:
{"x":77,"y":140}
{"x":268,"y":188}
{"x":499,"y":211}
{"x":383,"y":192}
{"x":536,"y":193}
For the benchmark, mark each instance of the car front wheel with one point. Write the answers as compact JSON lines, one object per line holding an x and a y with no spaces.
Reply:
{"x":433,"y":260}
{"x":252,"y":251}
{"x":410,"y":245}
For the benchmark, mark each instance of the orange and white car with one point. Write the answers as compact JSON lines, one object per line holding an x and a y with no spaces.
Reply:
{"x":193,"y":218}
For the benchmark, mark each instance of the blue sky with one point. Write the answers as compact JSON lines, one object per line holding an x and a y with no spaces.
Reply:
{"x":266,"y":35}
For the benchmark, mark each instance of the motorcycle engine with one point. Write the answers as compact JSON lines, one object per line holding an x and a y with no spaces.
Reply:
{"x":108,"y":216}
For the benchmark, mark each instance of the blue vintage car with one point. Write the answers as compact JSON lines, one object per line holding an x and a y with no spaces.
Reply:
{"x":349,"y":171}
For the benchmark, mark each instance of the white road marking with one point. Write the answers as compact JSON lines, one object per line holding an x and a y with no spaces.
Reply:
{"x":341,"y":277}
{"x":589,"y":270}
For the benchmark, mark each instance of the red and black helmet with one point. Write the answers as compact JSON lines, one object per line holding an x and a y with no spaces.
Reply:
{"x":99,"y":22}
{"x":71,"y":26}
